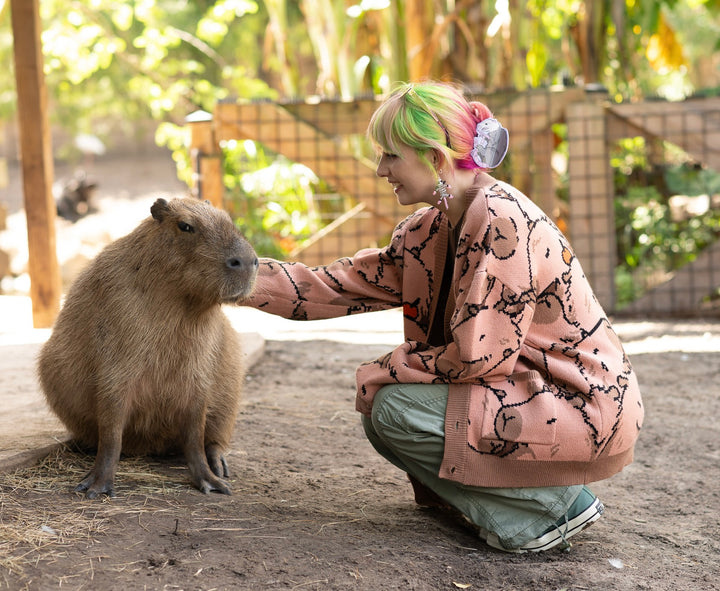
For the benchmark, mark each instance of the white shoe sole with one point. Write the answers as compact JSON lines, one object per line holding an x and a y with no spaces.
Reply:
{"x":559,"y":535}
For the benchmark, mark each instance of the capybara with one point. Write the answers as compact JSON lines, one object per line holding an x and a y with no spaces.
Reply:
{"x":142,"y":359}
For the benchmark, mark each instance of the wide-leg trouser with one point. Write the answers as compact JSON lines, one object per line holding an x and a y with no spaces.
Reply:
{"x":407,"y":427}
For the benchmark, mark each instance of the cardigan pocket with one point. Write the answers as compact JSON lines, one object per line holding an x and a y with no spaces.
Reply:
{"x":520,"y":409}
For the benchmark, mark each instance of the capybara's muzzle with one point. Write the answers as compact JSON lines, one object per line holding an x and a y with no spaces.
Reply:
{"x":243,"y":263}
{"x":243,"y":270}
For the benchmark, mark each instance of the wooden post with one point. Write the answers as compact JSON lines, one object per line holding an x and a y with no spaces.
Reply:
{"x":206,"y":158}
{"x":591,"y":194}
{"x":543,"y":184}
{"x":37,"y":162}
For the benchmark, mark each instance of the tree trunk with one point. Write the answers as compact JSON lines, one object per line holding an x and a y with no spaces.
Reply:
{"x":419,"y":20}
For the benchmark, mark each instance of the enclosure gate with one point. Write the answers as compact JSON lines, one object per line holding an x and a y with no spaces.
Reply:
{"x":694,"y":126}
{"x":324,"y":137}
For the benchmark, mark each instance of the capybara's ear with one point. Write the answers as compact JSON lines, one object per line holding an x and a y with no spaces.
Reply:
{"x":159,"y":209}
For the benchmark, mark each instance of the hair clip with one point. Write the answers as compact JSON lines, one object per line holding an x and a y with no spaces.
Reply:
{"x":490,"y":144}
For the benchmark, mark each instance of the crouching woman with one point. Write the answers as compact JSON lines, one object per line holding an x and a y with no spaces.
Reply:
{"x":511,"y":391}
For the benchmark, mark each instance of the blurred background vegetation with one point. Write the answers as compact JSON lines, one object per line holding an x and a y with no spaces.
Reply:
{"x":114,"y":67}
{"x":112,"y":59}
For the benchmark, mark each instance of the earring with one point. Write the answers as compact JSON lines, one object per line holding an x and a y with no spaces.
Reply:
{"x":442,"y":188}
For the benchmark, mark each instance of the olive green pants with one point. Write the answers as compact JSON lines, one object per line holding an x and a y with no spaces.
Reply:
{"x":407,"y":427}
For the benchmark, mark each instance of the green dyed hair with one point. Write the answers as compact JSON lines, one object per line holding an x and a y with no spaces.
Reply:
{"x":428,"y":116}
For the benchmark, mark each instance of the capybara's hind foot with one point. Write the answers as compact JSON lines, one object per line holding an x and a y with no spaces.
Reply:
{"x":94,"y":487}
{"x":216,"y":461}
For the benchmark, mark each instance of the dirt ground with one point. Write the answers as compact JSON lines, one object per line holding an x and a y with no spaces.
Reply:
{"x":314,"y":507}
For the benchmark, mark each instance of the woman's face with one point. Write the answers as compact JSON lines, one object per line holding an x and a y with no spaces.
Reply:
{"x":412,"y":179}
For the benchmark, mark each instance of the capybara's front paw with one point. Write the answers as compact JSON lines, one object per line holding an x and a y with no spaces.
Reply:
{"x":213,"y":484}
{"x":207,"y":468}
{"x":93,"y":487}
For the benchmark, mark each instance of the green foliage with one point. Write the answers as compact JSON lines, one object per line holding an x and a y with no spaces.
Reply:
{"x":110,"y":64}
{"x":270,"y":198}
{"x":692,"y":180}
{"x":652,"y":239}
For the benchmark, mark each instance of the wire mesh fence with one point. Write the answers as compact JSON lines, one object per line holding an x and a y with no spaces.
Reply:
{"x":568,"y":152}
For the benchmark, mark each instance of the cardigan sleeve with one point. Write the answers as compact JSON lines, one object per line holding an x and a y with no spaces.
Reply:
{"x":369,"y":281}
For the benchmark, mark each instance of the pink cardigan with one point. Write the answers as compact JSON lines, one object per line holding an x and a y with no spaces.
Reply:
{"x":541,"y":392}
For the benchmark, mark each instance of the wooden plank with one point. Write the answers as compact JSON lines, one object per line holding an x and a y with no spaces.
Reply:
{"x":693,"y":125}
{"x":665,"y":108}
{"x":619,"y":128}
{"x":543,"y":179}
{"x":205,"y":154}
{"x":37,"y":162}
{"x":339,"y":118}
{"x":210,"y":179}
{"x":419,"y":45}
{"x":202,"y":137}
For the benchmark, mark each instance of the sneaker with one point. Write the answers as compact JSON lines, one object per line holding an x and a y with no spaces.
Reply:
{"x":586,"y":509}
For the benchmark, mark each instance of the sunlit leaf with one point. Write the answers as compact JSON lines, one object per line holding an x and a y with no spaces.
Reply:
{"x":664,"y":52}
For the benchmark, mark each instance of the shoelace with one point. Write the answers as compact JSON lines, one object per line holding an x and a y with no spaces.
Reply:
{"x":565,"y":543}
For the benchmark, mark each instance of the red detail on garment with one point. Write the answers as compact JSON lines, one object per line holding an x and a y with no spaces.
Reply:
{"x":410,"y":311}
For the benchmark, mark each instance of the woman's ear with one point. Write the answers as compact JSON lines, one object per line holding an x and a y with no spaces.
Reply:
{"x":437,"y":158}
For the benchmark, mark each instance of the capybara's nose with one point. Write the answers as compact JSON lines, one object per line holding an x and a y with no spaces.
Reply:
{"x":240,"y":263}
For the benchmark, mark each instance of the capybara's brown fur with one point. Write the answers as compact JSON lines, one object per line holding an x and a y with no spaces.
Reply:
{"x":142,"y":359}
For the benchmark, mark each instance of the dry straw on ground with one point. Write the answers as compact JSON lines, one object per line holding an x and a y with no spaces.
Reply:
{"x":26,"y":534}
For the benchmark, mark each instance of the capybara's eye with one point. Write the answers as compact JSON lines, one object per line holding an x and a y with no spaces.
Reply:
{"x":185,"y":227}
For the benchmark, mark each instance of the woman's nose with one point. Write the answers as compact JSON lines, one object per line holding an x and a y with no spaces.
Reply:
{"x":381,"y":169}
